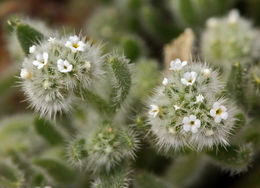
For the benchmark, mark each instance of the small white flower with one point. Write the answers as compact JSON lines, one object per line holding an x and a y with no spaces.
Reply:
{"x":41,"y":60}
{"x":189,"y":78}
{"x":191,"y":124}
{"x":177,"y":65}
{"x":75,"y":44}
{"x":64,"y":65}
{"x":219,"y":112}
{"x":165,"y":81}
{"x":233,"y":17}
{"x":25,"y":74}
{"x":206,"y":72}
{"x":32,"y":49}
{"x":47,"y":187}
{"x":155,"y":110}
{"x":88,"y":64}
{"x":52,"y":40}
{"x":212,"y":23}
{"x":176,"y":107}
{"x":199,"y":98}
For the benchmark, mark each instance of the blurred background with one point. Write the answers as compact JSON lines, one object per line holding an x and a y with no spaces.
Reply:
{"x":141,"y":28}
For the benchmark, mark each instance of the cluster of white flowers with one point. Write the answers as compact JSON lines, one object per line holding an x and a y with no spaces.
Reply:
{"x":185,"y":110}
{"x":56,"y":69}
{"x":229,"y":39}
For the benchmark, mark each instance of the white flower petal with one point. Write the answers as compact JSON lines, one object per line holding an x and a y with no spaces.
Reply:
{"x":223,"y":108}
{"x":186,"y":127}
{"x":192,"y":118}
{"x":197,"y":123}
{"x":213,"y":112}
{"x":224,"y":115}
{"x":217,"y":119}
{"x":186,"y":120}
{"x":216,"y":105}
{"x":194,"y":129}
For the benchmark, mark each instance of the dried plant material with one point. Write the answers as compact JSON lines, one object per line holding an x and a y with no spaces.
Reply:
{"x":180,"y":47}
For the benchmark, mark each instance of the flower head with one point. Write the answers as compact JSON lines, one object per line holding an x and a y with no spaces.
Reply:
{"x":177,"y":65}
{"x":41,"y":60}
{"x":64,"y":65}
{"x":219,"y":112}
{"x":155,"y":110}
{"x":45,"y":83}
{"x":75,"y":44}
{"x":191,"y":123}
{"x":189,"y":78}
{"x":188,"y":118}
{"x":229,"y":39}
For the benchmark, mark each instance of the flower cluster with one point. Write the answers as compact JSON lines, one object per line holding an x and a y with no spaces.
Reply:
{"x":186,"y":109}
{"x":229,"y":39}
{"x":57,"y":70}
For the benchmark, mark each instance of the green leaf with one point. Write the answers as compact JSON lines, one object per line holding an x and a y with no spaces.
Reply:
{"x":97,"y":101}
{"x":48,"y":131}
{"x":234,"y":158}
{"x":235,"y":86}
{"x":27,"y":35}
{"x":57,"y":170}
{"x":122,"y":80}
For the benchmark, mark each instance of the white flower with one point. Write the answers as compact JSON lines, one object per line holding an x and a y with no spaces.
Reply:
{"x":191,"y":124}
{"x":52,"y":40}
{"x":177,"y":65}
{"x":32,"y":49}
{"x":176,"y":107}
{"x":165,"y":81}
{"x":64,"y":65}
{"x":219,"y":112}
{"x":41,"y":60}
{"x":75,"y":44}
{"x":199,"y":98}
{"x":233,"y":17}
{"x":155,"y":110}
{"x":212,"y":23}
{"x":25,"y":74}
{"x":189,"y":78}
{"x":206,"y":72}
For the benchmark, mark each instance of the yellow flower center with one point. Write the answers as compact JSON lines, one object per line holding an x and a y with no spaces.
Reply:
{"x":75,"y":45}
{"x":190,"y":80}
{"x":192,"y":123}
{"x":219,"y":111}
{"x":65,"y":67}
